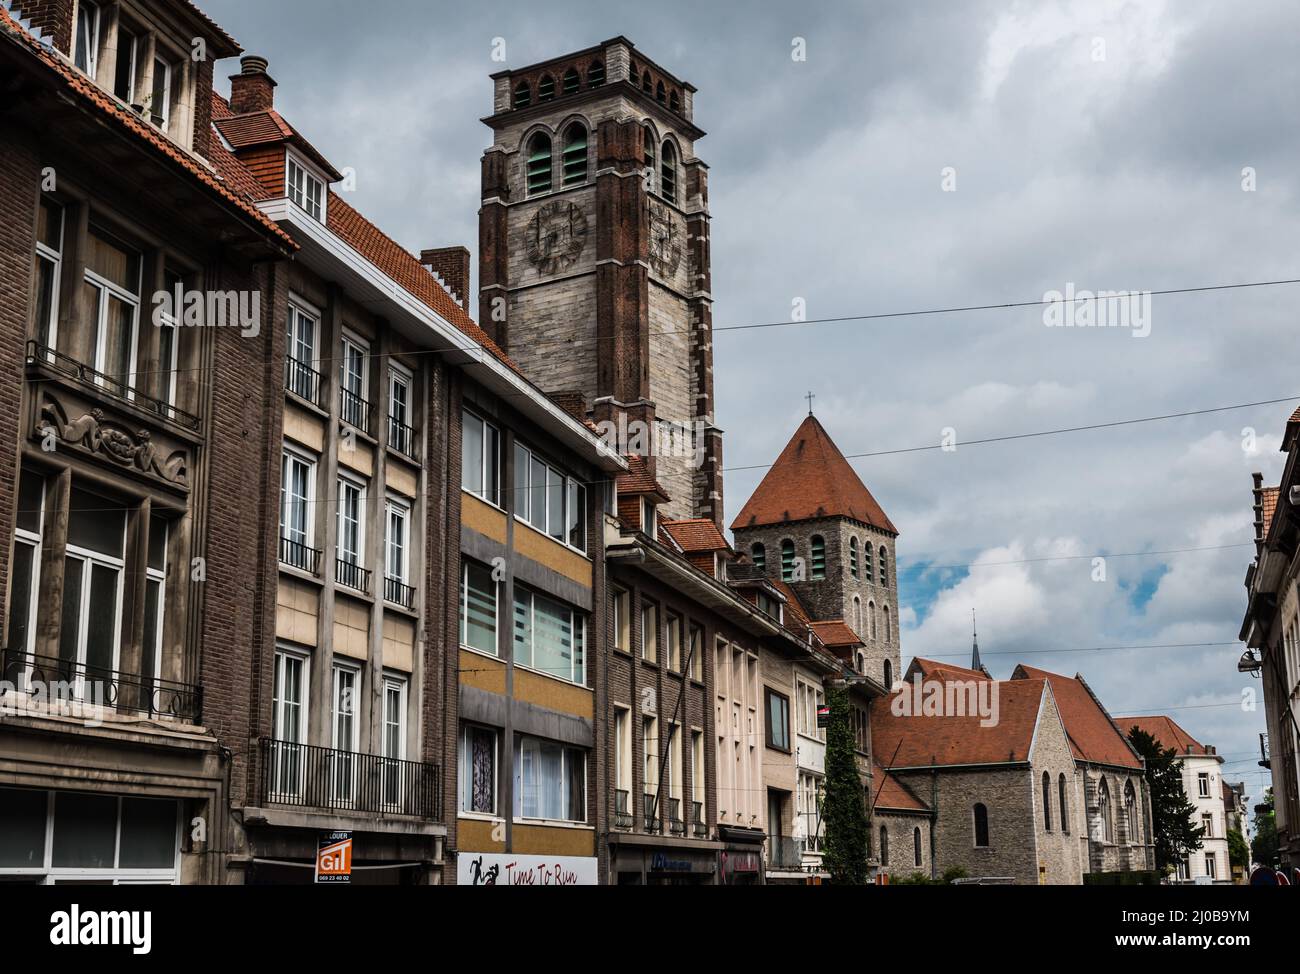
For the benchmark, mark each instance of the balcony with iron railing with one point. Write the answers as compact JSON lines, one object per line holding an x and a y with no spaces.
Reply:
{"x":402,"y":439}
{"x":51,"y":680}
{"x":302,"y":380}
{"x":300,"y":556}
{"x":698,"y":825}
{"x":622,"y":809}
{"x":354,"y":410}
{"x":398,"y":592}
{"x":673,"y":810}
{"x":334,"y":780}
{"x":114,"y":386}
{"x":351,"y":575}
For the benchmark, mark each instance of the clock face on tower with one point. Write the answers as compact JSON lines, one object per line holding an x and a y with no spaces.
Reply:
{"x":665,"y":239}
{"x":556,"y":235}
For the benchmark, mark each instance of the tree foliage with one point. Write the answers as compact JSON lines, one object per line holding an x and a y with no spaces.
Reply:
{"x":1263,"y":846}
{"x":1172,"y":812}
{"x":844,"y":807}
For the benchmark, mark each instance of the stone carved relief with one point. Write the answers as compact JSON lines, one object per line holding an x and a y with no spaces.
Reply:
{"x":106,"y":438}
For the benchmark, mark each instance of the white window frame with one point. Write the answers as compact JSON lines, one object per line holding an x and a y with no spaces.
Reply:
{"x":165,"y":125}
{"x":89,"y":559}
{"x":298,"y":311}
{"x":92,"y":55}
{"x":394,"y":506}
{"x":55,"y":258}
{"x":577,"y":630}
{"x":518,"y":800}
{"x":352,"y":347}
{"x":131,"y":50}
{"x":523,"y":499}
{"x":33,"y":540}
{"x":392,"y":778}
{"x":170,"y":322}
{"x":290,"y":758}
{"x":299,"y":195}
{"x":348,"y":483}
{"x":309,"y":503}
{"x":466,"y":767}
{"x":108,"y":289}
{"x":491,"y":493}
{"x":623,"y":751}
{"x":344,"y":767}
{"x":158,"y":575}
{"x":400,"y":377}
{"x":463,"y":629}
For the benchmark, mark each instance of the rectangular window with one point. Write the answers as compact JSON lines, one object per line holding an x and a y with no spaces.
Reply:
{"x":397,"y":560}
{"x":697,"y":768}
{"x":673,"y":634}
{"x":550,"y":780}
{"x":480,"y":455}
{"x":1211,"y":865}
{"x":301,"y":376}
{"x":344,"y":732}
{"x":25,"y":571}
{"x":353,"y":405}
{"x":623,"y":749}
{"x":478,"y":608}
{"x":92,"y":588}
{"x":297,"y":494}
{"x":650,"y":763}
{"x":401,"y":434}
{"x":696,"y":653}
{"x":478,"y":769}
{"x":154,"y":600}
{"x":112,"y":300}
{"x":622,"y":609}
{"x":124,"y":70}
{"x":393,"y":741}
{"x":778,"y":720}
{"x":160,"y":97}
{"x":1203,"y":784}
{"x":351,"y":533}
{"x":650,"y":632}
{"x":550,"y":501}
{"x":86,"y":56}
{"x":549,"y":637}
{"x":289,"y":722}
{"x":49,"y":261}
{"x":1207,"y":825}
{"x":306,"y":190}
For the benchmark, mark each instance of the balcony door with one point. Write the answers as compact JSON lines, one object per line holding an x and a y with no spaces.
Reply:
{"x":112,"y":300}
{"x":91,"y":614}
{"x":346,"y":736}
{"x":288,"y":727}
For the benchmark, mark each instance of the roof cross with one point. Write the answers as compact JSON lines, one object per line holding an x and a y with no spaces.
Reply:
{"x":810,"y":397}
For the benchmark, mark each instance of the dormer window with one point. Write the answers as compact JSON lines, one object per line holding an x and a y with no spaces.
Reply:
{"x":305,"y":190}
{"x":648,"y":516}
{"x":160,"y":97}
{"x":124,"y":75}
{"x":86,"y":56}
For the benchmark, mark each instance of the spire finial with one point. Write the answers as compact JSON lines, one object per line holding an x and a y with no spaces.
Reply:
{"x":974,"y":644}
{"x":810,"y":397}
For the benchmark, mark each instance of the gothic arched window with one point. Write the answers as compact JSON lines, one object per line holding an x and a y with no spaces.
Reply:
{"x":674,"y":102}
{"x":1130,"y":813}
{"x":1047,"y":801}
{"x":884,"y":846}
{"x":981,"y":822}
{"x":539,"y":164}
{"x":853,"y":557}
{"x":787,"y":560}
{"x":889,"y":675}
{"x":573,"y":161}
{"x":889,"y":625}
{"x":871,"y":619}
{"x":818,"y":556}
{"x":523,"y":95}
{"x":1062,"y":804}
{"x":661,"y":93}
{"x":916,"y":847}
{"x":546,"y":88}
{"x":1107,"y":819}
{"x":571,"y":81}
{"x":645,"y":82}
{"x":596,"y":74}
{"x":857,"y":616}
{"x":648,"y":151}
{"x":668,"y":173}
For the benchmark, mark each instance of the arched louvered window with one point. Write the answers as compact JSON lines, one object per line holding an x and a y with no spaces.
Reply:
{"x":1107,"y":817}
{"x":867,"y":572}
{"x":574,"y":158}
{"x":661,"y":93}
{"x":787,"y":560}
{"x":1047,"y":801}
{"x":674,"y":102}
{"x":981,"y":822}
{"x":523,"y":95}
{"x":884,"y":567}
{"x":668,"y":173}
{"x":546,"y":88}
{"x":539,"y":164}
{"x":571,"y":81}
{"x":596,"y":74}
{"x":818,"y":556}
{"x":916,"y":847}
{"x":1063,"y":805}
{"x":889,"y":675}
{"x":853,"y":557}
{"x":759,"y":554}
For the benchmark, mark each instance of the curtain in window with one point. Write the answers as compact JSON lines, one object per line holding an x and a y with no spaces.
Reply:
{"x":483,"y":770}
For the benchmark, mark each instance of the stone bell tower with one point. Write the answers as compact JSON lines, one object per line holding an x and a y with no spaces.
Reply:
{"x":594,"y":255}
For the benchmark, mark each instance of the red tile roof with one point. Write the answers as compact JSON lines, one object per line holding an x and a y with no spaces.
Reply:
{"x":268,"y":128}
{"x":638,"y":479}
{"x":1093,"y":735}
{"x":932,"y":669}
{"x":794,"y":610}
{"x":811,"y":479}
{"x":1268,"y":497}
{"x":125,"y":120}
{"x":892,"y":794}
{"x":696,"y":534}
{"x":919,"y":740}
{"x":836,"y":632}
{"x":1165,"y":730}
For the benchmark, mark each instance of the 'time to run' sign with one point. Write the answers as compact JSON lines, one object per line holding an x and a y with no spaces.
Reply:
{"x":504,"y":869}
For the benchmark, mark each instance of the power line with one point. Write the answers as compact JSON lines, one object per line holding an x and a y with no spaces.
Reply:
{"x":919,"y":565}
{"x":1084,"y":649}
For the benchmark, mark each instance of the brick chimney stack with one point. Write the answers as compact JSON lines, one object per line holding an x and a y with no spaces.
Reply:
{"x":252,"y":90}
{"x":451,"y":265}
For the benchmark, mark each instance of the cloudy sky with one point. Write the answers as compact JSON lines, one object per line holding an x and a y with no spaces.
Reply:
{"x":931,"y":155}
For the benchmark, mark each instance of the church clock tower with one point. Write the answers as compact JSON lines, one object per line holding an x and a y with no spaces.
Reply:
{"x":594,"y":255}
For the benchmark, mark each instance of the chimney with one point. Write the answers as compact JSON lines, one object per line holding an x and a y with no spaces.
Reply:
{"x":252,"y":90}
{"x":451,"y":266}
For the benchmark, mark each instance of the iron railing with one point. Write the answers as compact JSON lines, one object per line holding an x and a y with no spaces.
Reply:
{"x":55,"y":678}
{"x":673,"y":806}
{"x":784,"y":852}
{"x":302,"y":380}
{"x":298,"y":555}
{"x":354,"y":410}
{"x":402,"y":438}
{"x":109,"y":385}
{"x":399,"y":593}
{"x":622,"y":809}
{"x":651,"y":807}
{"x":331,"y":779}
{"x":352,"y":575}
{"x":699,"y":826}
